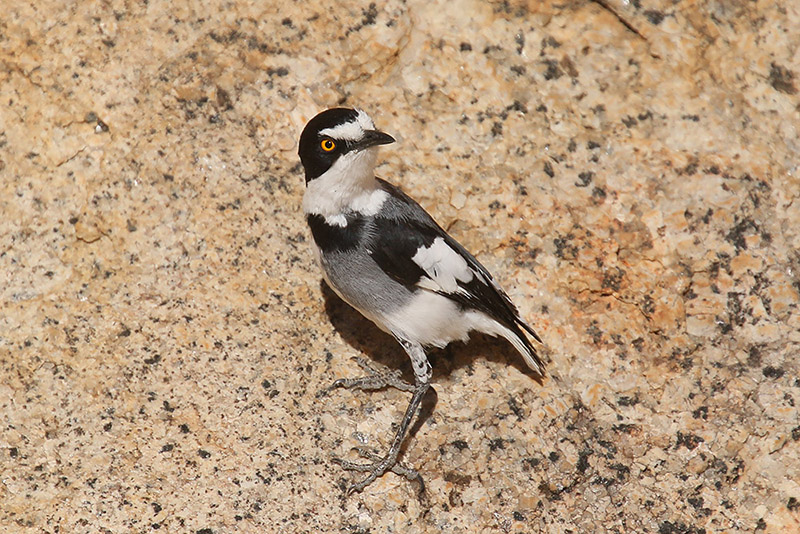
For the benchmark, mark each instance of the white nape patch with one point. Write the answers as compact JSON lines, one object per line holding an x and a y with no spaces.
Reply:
{"x":444,"y":266}
{"x":353,"y":130}
{"x":349,"y":181}
{"x":369,"y":203}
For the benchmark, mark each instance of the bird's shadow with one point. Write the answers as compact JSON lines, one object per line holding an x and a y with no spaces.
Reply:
{"x":362,"y":334}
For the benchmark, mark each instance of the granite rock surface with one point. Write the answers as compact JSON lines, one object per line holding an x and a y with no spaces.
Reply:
{"x":627,"y":170}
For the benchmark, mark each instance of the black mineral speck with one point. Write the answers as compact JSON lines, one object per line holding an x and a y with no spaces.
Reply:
{"x":654,"y":17}
{"x":370,"y":14}
{"x":279,"y":71}
{"x":782,"y":79}
{"x":519,"y":39}
{"x":622,"y":470}
{"x":564,"y":249}
{"x":583,"y":460}
{"x":584,"y":179}
{"x":604,"y":481}
{"x":368,"y":18}
{"x":515,"y":408}
{"x":668,"y":527}
{"x":460,"y":444}
{"x":599,"y":194}
{"x":530,"y":463}
{"x":612,"y":279}
{"x":754,"y":356}
{"x":690,"y":441}
{"x":736,"y":235}
{"x":552,"y":72}
{"x":551,"y":41}
{"x":551,"y":493}
{"x":611,"y":449}
{"x":772,"y":372}
{"x":496,"y":444}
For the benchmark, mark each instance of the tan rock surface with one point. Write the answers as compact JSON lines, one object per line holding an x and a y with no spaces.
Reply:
{"x":628,"y":170}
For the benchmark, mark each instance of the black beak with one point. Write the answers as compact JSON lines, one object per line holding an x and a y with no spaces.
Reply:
{"x":372,"y":138}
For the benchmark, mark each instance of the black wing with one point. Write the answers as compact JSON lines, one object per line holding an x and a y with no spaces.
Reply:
{"x":404,"y":229}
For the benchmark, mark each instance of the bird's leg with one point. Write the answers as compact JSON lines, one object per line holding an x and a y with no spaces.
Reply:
{"x":398,"y":468}
{"x":377,"y":377}
{"x":379,"y":465}
{"x":388,"y":462}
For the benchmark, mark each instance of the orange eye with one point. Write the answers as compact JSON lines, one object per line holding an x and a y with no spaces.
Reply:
{"x":327,"y":145}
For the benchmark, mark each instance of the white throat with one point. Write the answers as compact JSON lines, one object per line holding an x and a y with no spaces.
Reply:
{"x":349,"y":185}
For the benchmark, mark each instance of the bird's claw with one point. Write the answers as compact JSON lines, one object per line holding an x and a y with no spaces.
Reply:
{"x":378,"y":466}
{"x":377,"y":377}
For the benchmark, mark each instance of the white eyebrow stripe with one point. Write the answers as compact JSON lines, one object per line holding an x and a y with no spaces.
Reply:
{"x":353,"y":130}
{"x":349,"y":131}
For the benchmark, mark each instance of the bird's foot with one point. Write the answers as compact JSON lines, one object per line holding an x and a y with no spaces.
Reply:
{"x":377,"y":377}
{"x":378,"y":466}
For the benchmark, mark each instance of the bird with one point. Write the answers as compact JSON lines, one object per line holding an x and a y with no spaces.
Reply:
{"x":385,"y":256}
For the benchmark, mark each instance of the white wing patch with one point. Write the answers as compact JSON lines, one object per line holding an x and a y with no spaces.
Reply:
{"x":351,"y":131}
{"x":444,"y":266}
{"x":336,"y":220}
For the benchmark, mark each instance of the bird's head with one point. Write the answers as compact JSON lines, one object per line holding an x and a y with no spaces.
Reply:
{"x":341,"y":139}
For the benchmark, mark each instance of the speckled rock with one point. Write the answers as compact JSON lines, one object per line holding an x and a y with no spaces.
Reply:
{"x":629,"y":172}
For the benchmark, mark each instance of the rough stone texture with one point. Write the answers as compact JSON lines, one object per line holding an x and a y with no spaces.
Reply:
{"x":628,"y":170}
